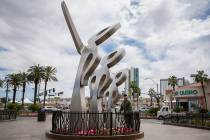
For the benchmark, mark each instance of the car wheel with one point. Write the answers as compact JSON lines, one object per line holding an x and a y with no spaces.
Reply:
{"x":160,"y":118}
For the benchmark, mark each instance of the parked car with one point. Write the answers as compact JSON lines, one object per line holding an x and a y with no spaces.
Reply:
{"x":144,"y":109}
{"x":50,"y":108}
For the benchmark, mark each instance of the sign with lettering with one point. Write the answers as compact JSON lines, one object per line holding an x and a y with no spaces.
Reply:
{"x":186,"y":92}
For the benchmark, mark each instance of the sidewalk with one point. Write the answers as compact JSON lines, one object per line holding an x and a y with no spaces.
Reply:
{"x":24,"y":128}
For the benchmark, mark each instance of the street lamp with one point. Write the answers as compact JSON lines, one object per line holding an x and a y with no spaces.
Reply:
{"x":153,"y":82}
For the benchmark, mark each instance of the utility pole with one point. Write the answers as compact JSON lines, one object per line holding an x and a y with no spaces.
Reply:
{"x":154,"y":83}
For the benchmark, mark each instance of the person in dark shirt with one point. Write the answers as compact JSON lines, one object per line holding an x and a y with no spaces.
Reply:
{"x":127,"y":110}
{"x":126,"y":105}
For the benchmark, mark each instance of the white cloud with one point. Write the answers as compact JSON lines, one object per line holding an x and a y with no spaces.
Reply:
{"x":174,"y":33}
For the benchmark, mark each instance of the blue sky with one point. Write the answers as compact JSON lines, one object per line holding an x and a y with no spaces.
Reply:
{"x":160,"y":37}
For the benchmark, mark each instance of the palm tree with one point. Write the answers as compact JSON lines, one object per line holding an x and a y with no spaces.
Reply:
{"x":24,"y":81}
{"x":158,"y":98}
{"x":49,"y":75}
{"x":201,"y":78}
{"x":135,"y":89}
{"x":1,"y":83}
{"x":172,"y":81}
{"x":151,"y":93}
{"x":14,"y":80}
{"x":6,"y":82}
{"x":36,"y":74}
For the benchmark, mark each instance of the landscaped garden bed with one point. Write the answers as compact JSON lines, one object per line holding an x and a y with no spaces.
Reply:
{"x":195,"y":120}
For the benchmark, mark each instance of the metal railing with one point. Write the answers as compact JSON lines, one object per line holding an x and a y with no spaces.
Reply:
{"x":7,"y":115}
{"x":106,"y":123}
{"x":201,"y":120}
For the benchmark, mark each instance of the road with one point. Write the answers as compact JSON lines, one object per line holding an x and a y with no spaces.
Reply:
{"x":29,"y":129}
{"x":155,"y":130}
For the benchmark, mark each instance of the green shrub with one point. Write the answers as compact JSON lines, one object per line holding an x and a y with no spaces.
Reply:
{"x":177,"y":110}
{"x":34,"y":107}
{"x":203,"y":110}
{"x":208,"y":123}
{"x":196,"y":122}
{"x":14,"y":106}
{"x":153,"y":111}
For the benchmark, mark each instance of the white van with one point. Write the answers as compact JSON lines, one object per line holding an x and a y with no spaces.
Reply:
{"x":163,"y":112}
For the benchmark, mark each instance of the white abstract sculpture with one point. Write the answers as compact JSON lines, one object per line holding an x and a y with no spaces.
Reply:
{"x":89,"y":58}
{"x":101,"y":80}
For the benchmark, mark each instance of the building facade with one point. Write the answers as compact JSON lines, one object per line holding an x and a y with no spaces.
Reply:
{"x":165,"y":87}
{"x":191,"y":97}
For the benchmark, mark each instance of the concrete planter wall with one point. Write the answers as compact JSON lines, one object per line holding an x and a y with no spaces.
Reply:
{"x":77,"y":137}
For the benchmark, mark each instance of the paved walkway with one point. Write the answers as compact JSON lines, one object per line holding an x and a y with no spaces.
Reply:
{"x":24,"y":128}
{"x":29,"y":129}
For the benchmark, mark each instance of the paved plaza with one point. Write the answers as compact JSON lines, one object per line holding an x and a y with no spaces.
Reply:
{"x":29,"y":129}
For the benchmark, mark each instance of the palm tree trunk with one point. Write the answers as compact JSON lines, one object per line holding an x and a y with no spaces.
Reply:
{"x":158,"y":102}
{"x":35,"y":92}
{"x":45,"y":92}
{"x":172,"y":97}
{"x":7,"y":90}
{"x":23,"y":96}
{"x":137,"y":101}
{"x":14,"y":94}
{"x":150,"y":101}
{"x":204,"y":94}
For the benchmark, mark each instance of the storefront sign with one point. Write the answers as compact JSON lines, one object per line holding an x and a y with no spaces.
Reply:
{"x":186,"y":92}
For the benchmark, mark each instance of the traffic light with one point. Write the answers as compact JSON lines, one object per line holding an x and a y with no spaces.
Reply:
{"x":53,"y":89}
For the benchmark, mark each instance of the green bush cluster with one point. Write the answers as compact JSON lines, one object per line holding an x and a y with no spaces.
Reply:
{"x":208,"y":123}
{"x":34,"y":107}
{"x":153,"y":111}
{"x":196,"y":122}
{"x":14,"y":106}
{"x":177,"y":110}
{"x":203,"y":110}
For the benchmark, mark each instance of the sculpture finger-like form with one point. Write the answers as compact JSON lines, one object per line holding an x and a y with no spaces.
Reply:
{"x":106,"y":63}
{"x":104,"y":34}
{"x":112,"y":92}
{"x":101,"y":80}
{"x":89,"y":58}
{"x":113,"y":58}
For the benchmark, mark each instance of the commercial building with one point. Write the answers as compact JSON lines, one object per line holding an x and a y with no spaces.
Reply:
{"x":190,"y":97}
{"x":165,"y":87}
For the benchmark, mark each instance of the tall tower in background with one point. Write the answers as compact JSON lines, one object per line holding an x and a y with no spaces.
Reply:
{"x":133,"y":75}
